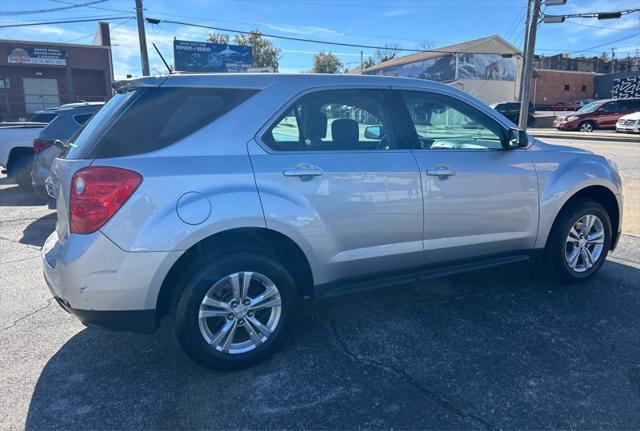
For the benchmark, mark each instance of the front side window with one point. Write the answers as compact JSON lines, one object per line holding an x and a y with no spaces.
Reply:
{"x":445,"y":123}
{"x":610,"y":107}
{"x":334,"y":120}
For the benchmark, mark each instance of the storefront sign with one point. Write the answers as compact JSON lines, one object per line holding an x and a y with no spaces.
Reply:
{"x":191,"y":56}
{"x":49,"y":56}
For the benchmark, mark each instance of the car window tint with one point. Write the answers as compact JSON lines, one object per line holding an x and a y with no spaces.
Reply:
{"x":610,"y":107}
{"x":148,"y":119}
{"x":81,"y":118}
{"x":334,"y":120}
{"x":445,"y":123}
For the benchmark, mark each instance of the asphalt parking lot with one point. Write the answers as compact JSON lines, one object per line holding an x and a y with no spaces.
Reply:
{"x":500,"y":348}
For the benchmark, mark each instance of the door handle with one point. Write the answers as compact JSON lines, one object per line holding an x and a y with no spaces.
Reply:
{"x":441,"y":171}
{"x":303,"y":171}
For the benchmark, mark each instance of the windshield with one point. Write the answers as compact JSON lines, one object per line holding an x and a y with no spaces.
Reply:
{"x":590,"y":107}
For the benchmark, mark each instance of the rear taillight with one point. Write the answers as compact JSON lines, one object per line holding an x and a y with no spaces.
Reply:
{"x":97,"y":193}
{"x":41,"y":144}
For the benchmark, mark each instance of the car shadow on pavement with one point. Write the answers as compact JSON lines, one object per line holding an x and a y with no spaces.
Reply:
{"x":15,"y":196}
{"x":500,"y":348}
{"x":36,"y":232}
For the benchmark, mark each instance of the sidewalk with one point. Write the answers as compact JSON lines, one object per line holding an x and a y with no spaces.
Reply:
{"x":599,"y":135}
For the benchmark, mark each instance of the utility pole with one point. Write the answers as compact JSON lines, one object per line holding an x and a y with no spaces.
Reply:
{"x":144,"y":57}
{"x":613,"y":56}
{"x":526,"y":42}
{"x":361,"y":60}
{"x":528,"y":64}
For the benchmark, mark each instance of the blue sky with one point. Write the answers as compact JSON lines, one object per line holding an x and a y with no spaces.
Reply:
{"x":370,"y":22}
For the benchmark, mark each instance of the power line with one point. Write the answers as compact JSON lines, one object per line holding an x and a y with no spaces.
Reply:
{"x":93,"y":7}
{"x":68,"y":21}
{"x":55,"y":9}
{"x":606,"y":43}
{"x":297,"y":39}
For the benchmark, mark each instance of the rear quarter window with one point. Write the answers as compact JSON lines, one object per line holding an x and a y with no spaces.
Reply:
{"x":148,"y":119}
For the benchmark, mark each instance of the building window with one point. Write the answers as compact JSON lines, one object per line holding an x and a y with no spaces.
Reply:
{"x":567,"y":87}
{"x":583,"y":88}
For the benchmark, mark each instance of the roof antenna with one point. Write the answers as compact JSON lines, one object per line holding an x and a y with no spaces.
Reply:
{"x":163,"y":60}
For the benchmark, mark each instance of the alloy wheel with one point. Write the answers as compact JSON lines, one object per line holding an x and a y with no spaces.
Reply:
{"x":586,"y":127}
{"x":240,"y":312}
{"x":584,"y":243}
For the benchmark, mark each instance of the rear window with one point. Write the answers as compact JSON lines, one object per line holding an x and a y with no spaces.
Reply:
{"x":147,"y":119}
{"x":44,"y":117}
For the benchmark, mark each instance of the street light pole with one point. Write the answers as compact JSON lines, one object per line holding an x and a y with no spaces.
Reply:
{"x":144,"y":56}
{"x":528,"y":64}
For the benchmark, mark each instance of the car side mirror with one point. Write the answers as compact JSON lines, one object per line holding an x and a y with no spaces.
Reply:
{"x":517,"y":139}
{"x":373,"y":132}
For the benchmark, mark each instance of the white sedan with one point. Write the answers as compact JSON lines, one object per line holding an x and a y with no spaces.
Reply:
{"x":629,"y":123}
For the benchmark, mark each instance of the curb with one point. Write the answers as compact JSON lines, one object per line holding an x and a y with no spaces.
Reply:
{"x":618,"y":137}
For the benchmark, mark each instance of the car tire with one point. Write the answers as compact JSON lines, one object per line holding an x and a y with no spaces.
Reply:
{"x":586,"y":126}
{"x":579,"y":242}
{"x":208,"y":306}
{"x":21,"y":171}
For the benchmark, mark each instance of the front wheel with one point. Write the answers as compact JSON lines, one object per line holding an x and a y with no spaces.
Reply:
{"x":579,"y":242}
{"x":236,"y":310}
{"x":586,"y":126}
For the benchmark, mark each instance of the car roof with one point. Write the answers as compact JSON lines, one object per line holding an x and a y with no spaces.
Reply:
{"x":77,"y":105}
{"x":264,"y":80}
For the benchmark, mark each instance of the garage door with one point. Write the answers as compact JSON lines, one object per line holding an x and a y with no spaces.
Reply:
{"x":40,"y":93}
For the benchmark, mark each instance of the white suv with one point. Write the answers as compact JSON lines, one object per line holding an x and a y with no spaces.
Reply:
{"x":222,"y":200}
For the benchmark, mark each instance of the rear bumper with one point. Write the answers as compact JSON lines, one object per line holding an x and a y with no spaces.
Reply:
{"x":101,"y":284}
{"x":140,"y":321}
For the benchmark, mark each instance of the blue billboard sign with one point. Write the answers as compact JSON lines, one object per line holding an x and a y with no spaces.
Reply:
{"x":191,"y":56}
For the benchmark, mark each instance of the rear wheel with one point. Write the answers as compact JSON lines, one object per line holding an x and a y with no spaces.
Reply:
{"x":236,"y":310}
{"x":579,"y":242}
{"x":20,"y":169}
{"x":586,"y":126}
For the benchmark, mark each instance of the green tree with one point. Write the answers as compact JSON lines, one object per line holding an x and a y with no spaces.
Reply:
{"x":218,"y":38}
{"x":264,"y":53}
{"x":326,"y":62}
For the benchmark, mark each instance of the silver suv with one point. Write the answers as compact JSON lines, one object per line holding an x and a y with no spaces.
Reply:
{"x":222,"y":200}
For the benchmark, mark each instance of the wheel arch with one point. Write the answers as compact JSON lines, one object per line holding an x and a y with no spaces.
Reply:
{"x":14,"y":156}
{"x":605,"y":197}
{"x":265,"y":240}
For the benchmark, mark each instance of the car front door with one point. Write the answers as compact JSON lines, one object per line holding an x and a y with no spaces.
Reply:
{"x":333,"y":176}
{"x":479,"y":198}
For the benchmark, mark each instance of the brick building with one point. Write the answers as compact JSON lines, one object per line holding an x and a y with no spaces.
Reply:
{"x":38,"y":75}
{"x":552,"y":86}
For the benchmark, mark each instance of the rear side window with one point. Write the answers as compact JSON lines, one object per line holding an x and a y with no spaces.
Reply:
{"x":82,"y":118}
{"x":148,"y":119}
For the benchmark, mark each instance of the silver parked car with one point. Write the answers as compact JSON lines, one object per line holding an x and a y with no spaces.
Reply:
{"x":222,"y":200}
{"x":47,"y":145}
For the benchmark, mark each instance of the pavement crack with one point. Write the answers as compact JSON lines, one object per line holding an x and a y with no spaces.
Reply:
{"x":409,"y":380}
{"x":26,"y":316}
{"x":20,"y":260}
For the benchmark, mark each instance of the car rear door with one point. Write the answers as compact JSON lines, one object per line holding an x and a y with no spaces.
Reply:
{"x":608,"y":114}
{"x":352,"y":199}
{"x":479,"y":198}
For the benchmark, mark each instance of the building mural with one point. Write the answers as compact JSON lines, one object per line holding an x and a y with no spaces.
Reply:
{"x":491,"y":67}
{"x":625,"y":88}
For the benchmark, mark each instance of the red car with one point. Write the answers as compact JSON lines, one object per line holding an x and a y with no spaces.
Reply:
{"x":602,"y":114}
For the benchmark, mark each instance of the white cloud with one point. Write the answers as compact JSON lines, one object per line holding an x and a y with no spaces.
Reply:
{"x":398,"y":12}
{"x":304,"y":30}
{"x":618,"y":26}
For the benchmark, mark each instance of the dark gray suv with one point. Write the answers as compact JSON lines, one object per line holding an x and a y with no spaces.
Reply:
{"x":48,"y":144}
